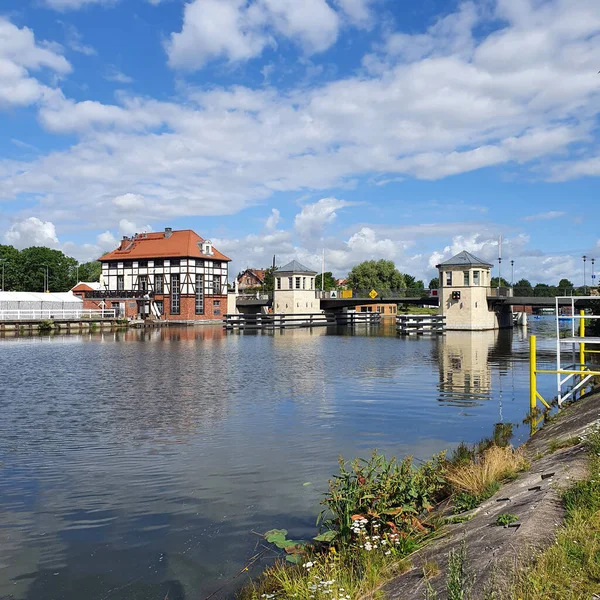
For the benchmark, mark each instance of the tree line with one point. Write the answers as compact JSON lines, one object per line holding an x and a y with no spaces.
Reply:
{"x":25,"y":270}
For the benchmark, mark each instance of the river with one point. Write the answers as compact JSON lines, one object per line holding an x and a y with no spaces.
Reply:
{"x":138,"y":464}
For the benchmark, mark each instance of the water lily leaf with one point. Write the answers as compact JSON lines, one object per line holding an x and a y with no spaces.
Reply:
{"x":295,"y":559}
{"x":307,"y":483}
{"x":275,"y":534}
{"x":327,"y":536}
{"x":297,"y":548}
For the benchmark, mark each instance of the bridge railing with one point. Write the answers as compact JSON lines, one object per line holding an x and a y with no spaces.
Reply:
{"x":382,"y":293}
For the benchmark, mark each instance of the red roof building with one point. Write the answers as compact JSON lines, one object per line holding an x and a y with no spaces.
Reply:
{"x":172,"y":275}
{"x":251,"y":278}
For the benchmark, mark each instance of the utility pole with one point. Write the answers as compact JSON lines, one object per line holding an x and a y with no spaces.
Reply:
{"x":512,"y":273}
{"x":584,"y":277}
{"x":593,"y":260}
{"x":499,"y":263}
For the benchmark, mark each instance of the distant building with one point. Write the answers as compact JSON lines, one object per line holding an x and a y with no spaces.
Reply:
{"x":341,"y":283}
{"x":295,"y":290}
{"x":385,"y":309}
{"x":173,"y":275}
{"x":251,"y":278}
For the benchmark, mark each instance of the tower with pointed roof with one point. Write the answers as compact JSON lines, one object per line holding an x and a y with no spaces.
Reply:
{"x":295,"y":290}
{"x":464,"y":283}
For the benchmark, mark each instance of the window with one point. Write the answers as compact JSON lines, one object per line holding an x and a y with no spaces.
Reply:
{"x":128,"y":264}
{"x":175,"y":262}
{"x":112,"y":265}
{"x":448,"y":277}
{"x":159,"y":262}
{"x":199,"y":294}
{"x":466,"y":277}
{"x":279,"y":283}
{"x":143,"y":264}
{"x":160,"y":306}
{"x":143,"y":283}
{"x":298,"y":282}
{"x":312,"y":283}
{"x":475,"y":277}
{"x":304,"y":283}
{"x":217,"y":285}
{"x":175,"y":294}
{"x":290,"y":284}
{"x":159,"y":284}
{"x":120,"y":283}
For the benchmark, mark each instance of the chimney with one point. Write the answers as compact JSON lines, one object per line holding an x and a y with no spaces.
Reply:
{"x":168,"y":232}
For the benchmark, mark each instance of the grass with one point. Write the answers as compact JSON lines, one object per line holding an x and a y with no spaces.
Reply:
{"x":570,"y":568}
{"x":494,"y":465}
{"x":561,"y":444}
{"x":506,"y":519}
{"x":417,"y":310}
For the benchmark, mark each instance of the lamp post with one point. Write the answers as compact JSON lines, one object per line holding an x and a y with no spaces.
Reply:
{"x":46,"y":278}
{"x":499,"y":274}
{"x":584,"y":257}
{"x":512,"y":273}
{"x":3,"y":260}
{"x":593,"y":260}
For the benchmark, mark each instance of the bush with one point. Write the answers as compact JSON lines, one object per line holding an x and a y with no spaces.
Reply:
{"x":396,"y":494}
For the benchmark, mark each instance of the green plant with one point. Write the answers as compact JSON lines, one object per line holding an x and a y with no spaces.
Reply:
{"x":506,"y":519}
{"x":431,"y":569}
{"x":45,"y":326}
{"x":459,"y":582}
{"x":464,"y":501}
{"x":560,"y":444}
{"x":294,"y":549}
{"x":394,"y":494}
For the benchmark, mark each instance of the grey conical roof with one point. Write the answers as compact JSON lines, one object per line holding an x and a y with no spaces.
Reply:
{"x":464,"y":259}
{"x":295,"y":267}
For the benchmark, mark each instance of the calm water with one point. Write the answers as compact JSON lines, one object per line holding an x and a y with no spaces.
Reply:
{"x":138,"y":464}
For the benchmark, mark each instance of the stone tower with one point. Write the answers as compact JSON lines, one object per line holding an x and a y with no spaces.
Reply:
{"x":295,"y":291}
{"x":464,"y":290}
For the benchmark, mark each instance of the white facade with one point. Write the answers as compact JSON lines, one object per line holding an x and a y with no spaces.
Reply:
{"x":295,"y":291}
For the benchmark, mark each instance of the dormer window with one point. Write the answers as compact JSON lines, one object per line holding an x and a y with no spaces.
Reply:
{"x":206,"y":247}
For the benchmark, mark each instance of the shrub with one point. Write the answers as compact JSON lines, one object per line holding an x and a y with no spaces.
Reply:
{"x":395,"y":494}
{"x":495,"y":464}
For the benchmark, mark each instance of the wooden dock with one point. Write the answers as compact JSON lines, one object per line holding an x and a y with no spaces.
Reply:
{"x":285,"y":321}
{"x":420,"y":324}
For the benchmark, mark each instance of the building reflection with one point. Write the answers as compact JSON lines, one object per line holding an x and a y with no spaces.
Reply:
{"x":465,"y":365}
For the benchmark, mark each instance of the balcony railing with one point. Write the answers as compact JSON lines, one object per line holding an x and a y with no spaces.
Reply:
{"x":116,"y":294}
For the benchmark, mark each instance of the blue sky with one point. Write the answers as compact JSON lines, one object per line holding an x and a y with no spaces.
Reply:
{"x":370,"y":128}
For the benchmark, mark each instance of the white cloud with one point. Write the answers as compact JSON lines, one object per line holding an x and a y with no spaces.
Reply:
{"x":127,"y":227}
{"x":357,"y":11}
{"x":272,"y":220}
{"x":238,"y":30}
{"x":64,"y":5}
{"x":31,"y":232}
{"x":117,"y":76}
{"x":311,"y":221}
{"x":75,"y":40}
{"x":545,"y":216}
{"x":20,"y":54}
{"x":130,"y":202}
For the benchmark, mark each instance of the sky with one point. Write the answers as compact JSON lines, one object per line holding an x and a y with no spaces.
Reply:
{"x":371,"y":129}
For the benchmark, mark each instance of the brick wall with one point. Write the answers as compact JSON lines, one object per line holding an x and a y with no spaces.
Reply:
{"x":188,"y":309}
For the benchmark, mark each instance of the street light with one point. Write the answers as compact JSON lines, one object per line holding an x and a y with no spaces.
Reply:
{"x":3,"y":262}
{"x":499,"y":274}
{"x":512,"y":273}
{"x":46,"y":278}
{"x":584,"y":281}
{"x":593,"y":260}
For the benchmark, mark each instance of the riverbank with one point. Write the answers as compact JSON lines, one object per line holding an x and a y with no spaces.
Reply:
{"x":487,"y":552}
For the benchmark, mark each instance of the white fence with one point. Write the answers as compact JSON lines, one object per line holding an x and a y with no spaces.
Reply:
{"x":76,"y":314}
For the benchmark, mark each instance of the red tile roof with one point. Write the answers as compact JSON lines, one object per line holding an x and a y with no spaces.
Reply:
{"x":258,"y":273}
{"x":183,"y":243}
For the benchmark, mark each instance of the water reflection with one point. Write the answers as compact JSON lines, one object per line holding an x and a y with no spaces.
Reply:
{"x":137,"y":463}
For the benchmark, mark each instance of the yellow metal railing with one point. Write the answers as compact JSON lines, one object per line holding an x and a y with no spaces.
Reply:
{"x":581,"y":371}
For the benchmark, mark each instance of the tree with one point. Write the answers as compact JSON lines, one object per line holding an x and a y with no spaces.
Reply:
{"x":9,"y":262}
{"x":269,"y":279}
{"x":329,"y":281}
{"x":90,"y":271}
{"x":434,"y":284}
{"x":565,"y":284}
{"x":503,"y":282}
{"x":412,"y":284}
{"x":371,"y":274}
{"x":33,"y":262}
{"x":543,"y":290}
{"x":523,"y":287}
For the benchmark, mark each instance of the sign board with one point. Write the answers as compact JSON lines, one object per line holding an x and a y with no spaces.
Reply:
{"x":373,"y":294}
{"x":593,"y":277}
{"x":333,"y":294}
{"x":346,"y":293}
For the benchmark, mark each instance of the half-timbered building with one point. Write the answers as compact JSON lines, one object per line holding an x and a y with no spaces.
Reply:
{"x":173,"y":275}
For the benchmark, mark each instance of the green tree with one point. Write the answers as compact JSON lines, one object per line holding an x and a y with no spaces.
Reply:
{"x":269,"y":279}
{"x":565,"y":284}
{"x":412,"y":283}
{"x":543,"y":290}
{"x":90,"y":271}
{"x":10,"y":264}
{"x":33,"y":262}
{"x":379,"y":275}
{"x":523,"y":287}
{"x":434,"y":284}
{"x":503,"y":282}
{"x":329,"y":281}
